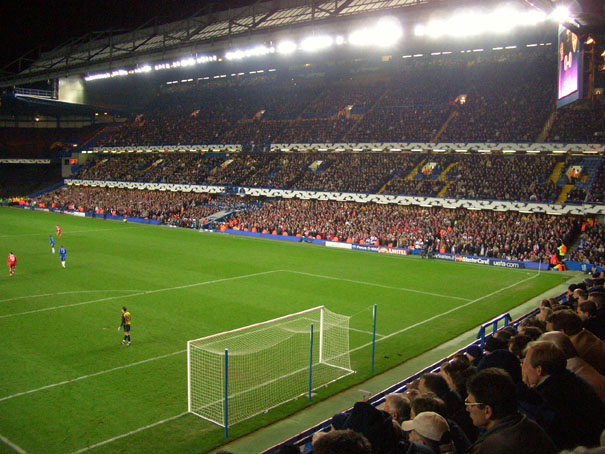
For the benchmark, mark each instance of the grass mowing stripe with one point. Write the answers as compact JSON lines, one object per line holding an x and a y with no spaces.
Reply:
{"x":103,"y":372}
{"x":132,"y":432}
{"x":12,"y":445}
{"x":377,"y":285}
{"x":145,"y":292}
{"x":454,"y":309}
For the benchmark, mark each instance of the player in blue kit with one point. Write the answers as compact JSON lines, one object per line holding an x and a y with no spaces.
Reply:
{"x":52,"y":243}
{"x":62,"y":253}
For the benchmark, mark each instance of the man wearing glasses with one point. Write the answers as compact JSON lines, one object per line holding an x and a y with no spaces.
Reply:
{"x":492,"y":406}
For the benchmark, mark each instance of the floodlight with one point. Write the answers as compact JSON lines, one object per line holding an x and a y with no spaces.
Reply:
{"x":419,"y":30}
{"x":386,"y":32}
{"x":340,"y":40}
{"x":315,"y":43}
{"x":435,"y":28}
{"x":286,"y":47}
{"x":560,"y":14}
{"x":187,"y":61}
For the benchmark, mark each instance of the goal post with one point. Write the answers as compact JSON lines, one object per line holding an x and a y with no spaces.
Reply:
{"x":268,"y":364}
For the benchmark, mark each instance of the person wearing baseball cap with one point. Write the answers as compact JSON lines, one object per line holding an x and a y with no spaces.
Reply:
{"x":431,"y":430}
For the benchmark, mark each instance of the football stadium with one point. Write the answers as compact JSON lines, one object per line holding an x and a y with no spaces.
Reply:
{"x":308,"y":226}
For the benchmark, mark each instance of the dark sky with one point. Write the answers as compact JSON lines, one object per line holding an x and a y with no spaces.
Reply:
{"x":28,"y":24}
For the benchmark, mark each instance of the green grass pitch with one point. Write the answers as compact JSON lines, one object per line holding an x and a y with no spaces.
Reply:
{"x":66,"y":382}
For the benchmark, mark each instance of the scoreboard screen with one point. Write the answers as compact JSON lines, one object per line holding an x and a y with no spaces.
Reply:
{"x":570,"y":67}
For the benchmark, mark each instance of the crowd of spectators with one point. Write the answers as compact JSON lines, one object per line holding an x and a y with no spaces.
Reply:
{"x":591,"y":245}
{"x":468,"y":175}
{"x":596,"y":193}
{"x":183,"y":209}
{"x":583,"y":123}
{"x":495,"y":100}
{"x":509,"y":235}
{"x":524,"y":178}
{"x":20,"y":180}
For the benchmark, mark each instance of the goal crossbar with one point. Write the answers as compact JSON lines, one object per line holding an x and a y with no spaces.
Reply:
{"x":268,"y":364}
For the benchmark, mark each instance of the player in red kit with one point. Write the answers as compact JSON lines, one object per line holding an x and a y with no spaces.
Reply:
{"x":12,"y":263}
{"x":59,"y":232}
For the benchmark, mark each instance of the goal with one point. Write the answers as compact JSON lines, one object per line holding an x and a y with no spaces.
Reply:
{"x":235,"y":375}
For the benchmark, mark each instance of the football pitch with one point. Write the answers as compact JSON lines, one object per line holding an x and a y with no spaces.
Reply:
{"x":67,"y":384}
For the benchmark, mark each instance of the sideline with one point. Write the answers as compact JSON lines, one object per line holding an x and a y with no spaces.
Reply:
{"x":373,"y":284}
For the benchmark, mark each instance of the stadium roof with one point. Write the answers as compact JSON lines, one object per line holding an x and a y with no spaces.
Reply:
{"x":209,"y":32}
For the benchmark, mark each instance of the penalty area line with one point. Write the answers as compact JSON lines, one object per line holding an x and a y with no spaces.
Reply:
{"x":132,"y":432}
{"x":12,"y":445}
{"x":96,"y":374}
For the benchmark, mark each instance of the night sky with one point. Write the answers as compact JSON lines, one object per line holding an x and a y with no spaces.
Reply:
{"x":26,"y":25}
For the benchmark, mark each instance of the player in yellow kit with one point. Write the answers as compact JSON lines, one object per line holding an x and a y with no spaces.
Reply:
{"x":126,"y":324}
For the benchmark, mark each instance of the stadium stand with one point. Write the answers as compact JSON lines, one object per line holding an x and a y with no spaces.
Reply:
{"x":456,"y":99}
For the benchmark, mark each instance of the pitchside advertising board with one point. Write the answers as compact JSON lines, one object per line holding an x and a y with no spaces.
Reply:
{"x":570,"y":67}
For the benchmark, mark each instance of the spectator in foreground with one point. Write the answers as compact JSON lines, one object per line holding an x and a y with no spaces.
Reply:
{"x":492,"y":405}
{"x":431,"y":430}
{"x":581,"y":411}
{"x":576,"y":364}
{"x":341,"y":442}
{"x":589,"y":347}
{"x":398,"y":406}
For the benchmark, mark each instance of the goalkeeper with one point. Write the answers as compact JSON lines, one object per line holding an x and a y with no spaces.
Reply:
{"x":126,"y":324}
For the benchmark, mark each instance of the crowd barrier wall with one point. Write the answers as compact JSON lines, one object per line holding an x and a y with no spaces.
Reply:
{"x":590,"y":148}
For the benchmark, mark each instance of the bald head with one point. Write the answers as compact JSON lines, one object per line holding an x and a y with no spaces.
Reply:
{"x":561,"y":340}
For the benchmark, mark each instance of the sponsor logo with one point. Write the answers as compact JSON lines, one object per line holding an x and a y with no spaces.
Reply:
{"x":339,"y":245}
{"x":362,"y":247}
{"x":506,"y":264}
{"x":390,"y":250}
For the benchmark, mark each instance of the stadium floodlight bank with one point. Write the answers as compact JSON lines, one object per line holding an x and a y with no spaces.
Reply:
{"x":268,"y":364}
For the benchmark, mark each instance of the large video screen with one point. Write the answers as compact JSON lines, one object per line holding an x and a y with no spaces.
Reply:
{"x":570,"y":67}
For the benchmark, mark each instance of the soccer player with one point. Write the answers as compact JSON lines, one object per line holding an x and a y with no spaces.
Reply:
{"x":52,"y":243}
{"x":12,"y":264}
{"x":59,"y":234}
{"x":126,"y":324}
{"x":62,"y":253}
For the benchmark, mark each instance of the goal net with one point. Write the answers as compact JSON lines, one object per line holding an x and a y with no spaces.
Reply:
{"x":238,"y":374}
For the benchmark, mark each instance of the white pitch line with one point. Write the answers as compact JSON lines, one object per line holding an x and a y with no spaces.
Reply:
{"x":12,"y":445}
{"x":132,"y":432}
{"x":443,"y":313}
{"x":146,"y":292}
{"x":365,"y":332}
{"x":83,"y":377}
{"x":65,"y":293}
{"x":351,"y":351}
{"x":374,"y":284}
